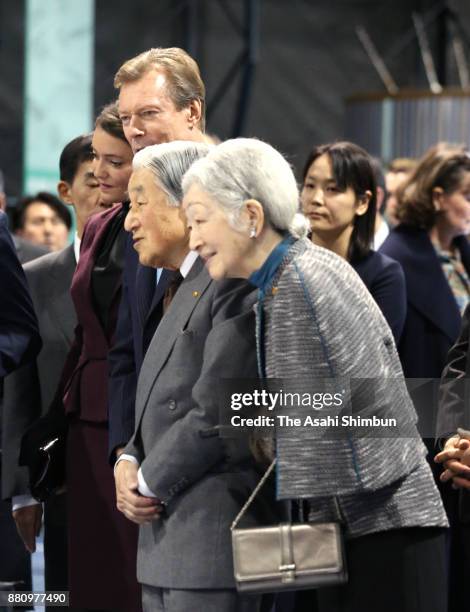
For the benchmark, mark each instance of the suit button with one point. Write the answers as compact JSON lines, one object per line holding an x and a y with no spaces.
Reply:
{"x":172,"y":405}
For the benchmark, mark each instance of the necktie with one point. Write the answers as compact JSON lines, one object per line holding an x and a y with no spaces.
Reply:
{"x":171,"y":290}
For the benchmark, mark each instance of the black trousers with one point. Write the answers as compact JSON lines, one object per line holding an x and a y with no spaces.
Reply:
{"x":55,"y":544}
{"x":457,"y":505}
{"x":402,"y":570}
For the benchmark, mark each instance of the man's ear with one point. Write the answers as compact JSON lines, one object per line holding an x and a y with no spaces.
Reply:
{"x":437,"y":198}
{"x":363,"y":203}
{"x":63,"y":189}
{"x":194,"y":113}
{"x":3,"y":201}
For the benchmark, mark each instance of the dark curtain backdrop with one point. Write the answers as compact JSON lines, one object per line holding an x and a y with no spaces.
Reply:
{"x":11,"y":92}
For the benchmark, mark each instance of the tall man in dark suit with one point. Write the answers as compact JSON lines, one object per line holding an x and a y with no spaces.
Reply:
{"x":183,"y":483}
{"x":30,"y":390}
{"x":19,"y":343}
{"x":161,"y":98}
{"x":19,"y":337}
{"x":18,"y":564}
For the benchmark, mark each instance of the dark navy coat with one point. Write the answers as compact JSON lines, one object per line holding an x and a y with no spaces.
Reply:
{"x":139,"y":314}
{"x":19,"y":335}
{"x":433,"y":319}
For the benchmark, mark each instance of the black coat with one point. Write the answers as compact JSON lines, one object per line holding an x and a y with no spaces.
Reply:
{"x":19,"y":336}
{"x":386,"y":283}
{"x":454,"y":404}
{"x":432,"y":321}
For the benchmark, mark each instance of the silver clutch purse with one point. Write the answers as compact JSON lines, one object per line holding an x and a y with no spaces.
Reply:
{"x":286,"y":557}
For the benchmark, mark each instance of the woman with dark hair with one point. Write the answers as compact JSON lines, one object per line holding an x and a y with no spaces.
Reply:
{"x":102,"y":543}
{"x":339,"y":198}
{"x":431,"y":245}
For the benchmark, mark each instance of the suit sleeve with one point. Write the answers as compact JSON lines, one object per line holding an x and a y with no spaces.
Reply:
{"x":454,"y":392}
{"x":389,"y":292}
{"x":19,"y":336}
{"x":21,"y":407}
{"x":193,"y":446}
{"x":122,"y":378}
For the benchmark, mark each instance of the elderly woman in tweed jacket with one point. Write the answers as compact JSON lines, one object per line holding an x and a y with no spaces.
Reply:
{"x":316,"y":321}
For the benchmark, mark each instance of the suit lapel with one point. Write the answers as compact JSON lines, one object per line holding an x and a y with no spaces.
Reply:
{"x":175,"y":320}
{"x":92,"y":240}
{"x":61,"y":306}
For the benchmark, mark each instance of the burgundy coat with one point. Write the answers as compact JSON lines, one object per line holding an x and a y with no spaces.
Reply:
{"x":102,"y":542}
{"x":86,"y":372}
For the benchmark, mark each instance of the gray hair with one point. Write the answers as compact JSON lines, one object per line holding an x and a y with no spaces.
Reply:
{"x":245,"y":168}
{"x":2,"y":182}
{"x":168,"y":162}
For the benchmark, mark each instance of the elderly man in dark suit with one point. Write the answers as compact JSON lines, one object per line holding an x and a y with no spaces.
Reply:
{"x":184,"y":484}
{"x":30,"y":390}
{"x":146,"y":81}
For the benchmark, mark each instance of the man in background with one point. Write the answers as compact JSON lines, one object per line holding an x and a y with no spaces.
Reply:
{"x":43,"y":220}
{"x":30,"y":390}
{"x":25,"y":250}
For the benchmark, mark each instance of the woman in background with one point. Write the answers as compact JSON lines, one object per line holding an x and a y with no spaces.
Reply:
{"x":102,"y":543}
{"x":430,"y":244}
{"x":339,"y":197}
{"x":317,"y":321}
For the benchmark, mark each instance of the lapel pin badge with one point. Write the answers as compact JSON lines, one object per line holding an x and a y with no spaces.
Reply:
{"x":195,"y":294}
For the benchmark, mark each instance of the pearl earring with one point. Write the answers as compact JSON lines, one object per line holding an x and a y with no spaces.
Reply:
{"x":253,"y":232}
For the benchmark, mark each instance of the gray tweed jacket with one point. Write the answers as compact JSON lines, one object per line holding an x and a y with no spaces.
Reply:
{"x":324,"y":332}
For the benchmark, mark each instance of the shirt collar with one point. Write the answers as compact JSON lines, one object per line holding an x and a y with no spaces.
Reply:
{"x":188,"y":263}
{"x":76,"y":246}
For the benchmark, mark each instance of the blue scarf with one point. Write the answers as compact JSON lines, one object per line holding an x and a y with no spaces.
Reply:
{"x":263,"y":279}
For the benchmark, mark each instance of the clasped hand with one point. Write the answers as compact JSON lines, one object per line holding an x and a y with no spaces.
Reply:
{"x":129,"y":501}
{"x":456,"y":460}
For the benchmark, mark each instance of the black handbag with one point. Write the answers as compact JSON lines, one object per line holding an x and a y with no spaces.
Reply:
{"x":43,"y":450}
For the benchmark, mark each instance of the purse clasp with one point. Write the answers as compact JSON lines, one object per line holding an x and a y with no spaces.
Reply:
{"x":287,"y":572}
